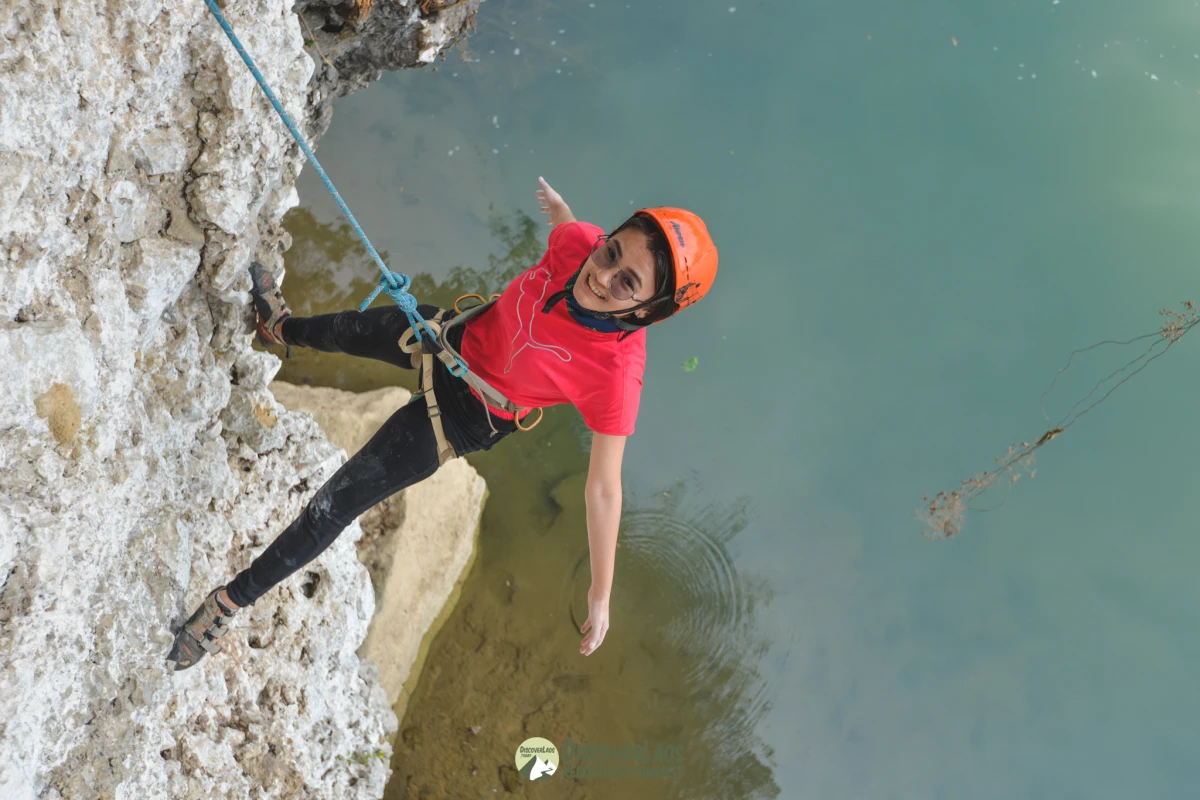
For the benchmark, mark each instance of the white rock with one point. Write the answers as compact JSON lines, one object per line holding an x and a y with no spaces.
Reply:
{"x":163,"y":150}
{"x":34,"y":356}
{"x":254,"y":417}
{"x":130,"y":210}
{"x":133,"y":477}
{"x":227,"y":207}
{"x":162,"y":268}
{"x":14,"y":179}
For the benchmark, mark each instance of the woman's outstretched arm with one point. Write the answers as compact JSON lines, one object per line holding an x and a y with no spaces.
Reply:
{"x":552,"y":204}
{"x":602,"y":493}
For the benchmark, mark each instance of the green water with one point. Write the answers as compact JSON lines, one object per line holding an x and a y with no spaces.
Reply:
{"x":914,"y":235}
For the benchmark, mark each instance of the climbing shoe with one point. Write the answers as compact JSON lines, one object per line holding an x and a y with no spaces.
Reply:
{"x":269,"y":305}
{"x":199,"y":634}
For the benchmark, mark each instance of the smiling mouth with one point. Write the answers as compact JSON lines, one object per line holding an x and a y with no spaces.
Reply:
{"x":595,"y":288}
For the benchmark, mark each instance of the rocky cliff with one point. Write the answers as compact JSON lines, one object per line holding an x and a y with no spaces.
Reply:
{"x":143,"y":459}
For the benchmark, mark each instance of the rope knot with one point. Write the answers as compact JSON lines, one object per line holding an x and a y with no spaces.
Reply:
{"x":396,"y":285}
{"x":393,"y":282}
{"x":407,"y":303}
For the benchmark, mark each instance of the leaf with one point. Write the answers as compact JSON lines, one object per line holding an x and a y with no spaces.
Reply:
{"x":690,"y":364}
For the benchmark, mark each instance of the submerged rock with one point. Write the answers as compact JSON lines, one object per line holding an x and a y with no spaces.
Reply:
{"x":142,"y":458}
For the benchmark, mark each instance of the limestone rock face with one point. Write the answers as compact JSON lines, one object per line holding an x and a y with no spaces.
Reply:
{"x":143,"y":460}
{"x":420,"y":543}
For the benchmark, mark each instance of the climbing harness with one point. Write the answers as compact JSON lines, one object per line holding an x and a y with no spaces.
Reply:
{"x":426,"y":336}
{"x":422,"y":356}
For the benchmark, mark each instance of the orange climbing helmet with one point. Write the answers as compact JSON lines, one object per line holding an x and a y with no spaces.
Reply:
{"x":692,"y":250}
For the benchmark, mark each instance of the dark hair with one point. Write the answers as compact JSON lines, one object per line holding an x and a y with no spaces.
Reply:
{"x":664,"y":272}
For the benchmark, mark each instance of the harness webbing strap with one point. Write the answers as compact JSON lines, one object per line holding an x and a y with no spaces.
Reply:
{"x":445,"y":450}
{"x":423,"y":352}
{"x":418,"y":350}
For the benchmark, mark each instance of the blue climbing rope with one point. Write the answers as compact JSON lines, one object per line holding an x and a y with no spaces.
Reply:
{"x":394,"y":283}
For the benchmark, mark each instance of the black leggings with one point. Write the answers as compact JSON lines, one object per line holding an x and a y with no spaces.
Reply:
{"x":401,"y":453}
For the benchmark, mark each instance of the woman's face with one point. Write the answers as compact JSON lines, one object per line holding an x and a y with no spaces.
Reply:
{"x":630,"y":255}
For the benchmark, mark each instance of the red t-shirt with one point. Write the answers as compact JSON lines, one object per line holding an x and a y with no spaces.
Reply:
{"x":538,"y":359}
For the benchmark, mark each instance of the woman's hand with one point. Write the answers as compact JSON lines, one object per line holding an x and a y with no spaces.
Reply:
{"x":551,"y":202}
{"x":597,"y":620}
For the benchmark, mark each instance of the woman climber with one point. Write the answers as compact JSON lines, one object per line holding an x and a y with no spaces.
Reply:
{"x":528,"y":347}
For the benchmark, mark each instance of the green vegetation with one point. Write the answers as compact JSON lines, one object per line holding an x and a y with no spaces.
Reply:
{"x":363,"y":756}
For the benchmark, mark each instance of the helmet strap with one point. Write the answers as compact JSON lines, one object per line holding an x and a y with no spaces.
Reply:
{"x":558,"y":297}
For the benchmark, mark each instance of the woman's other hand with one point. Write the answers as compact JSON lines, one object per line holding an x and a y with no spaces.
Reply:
{"x":551,"y":203}
{"x":597,"y":621}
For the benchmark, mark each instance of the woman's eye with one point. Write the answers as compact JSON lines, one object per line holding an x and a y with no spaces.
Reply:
{"x":611,"y":253}
{"x":628,"y":283}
